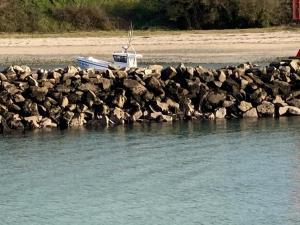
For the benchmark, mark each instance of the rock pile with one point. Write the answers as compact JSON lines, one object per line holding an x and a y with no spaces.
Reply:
{"x":72,"y":97}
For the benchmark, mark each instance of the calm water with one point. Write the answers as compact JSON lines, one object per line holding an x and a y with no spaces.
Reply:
{"x":234,"y":172}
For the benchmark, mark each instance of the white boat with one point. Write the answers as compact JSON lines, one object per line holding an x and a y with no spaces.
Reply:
{"x":122,"y":59}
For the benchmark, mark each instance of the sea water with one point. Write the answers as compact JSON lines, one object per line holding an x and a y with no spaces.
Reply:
{"x":211,"y":172}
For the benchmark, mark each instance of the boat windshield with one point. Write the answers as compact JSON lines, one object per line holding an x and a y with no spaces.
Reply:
{"x":120,"y":58}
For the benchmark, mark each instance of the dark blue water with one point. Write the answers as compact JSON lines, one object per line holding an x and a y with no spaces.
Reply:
{"x":225,"y":172}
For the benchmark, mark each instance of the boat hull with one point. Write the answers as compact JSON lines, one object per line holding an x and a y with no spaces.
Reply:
{"x":90,"y":62}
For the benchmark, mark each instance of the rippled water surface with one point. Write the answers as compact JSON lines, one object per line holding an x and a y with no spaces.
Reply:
{"x":224,"y":172}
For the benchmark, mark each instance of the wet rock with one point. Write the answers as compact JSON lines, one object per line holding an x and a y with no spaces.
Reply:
{"x":33,"y":121}
{"x":137,"y":115}
{"x":187,"y":107}
{"x":220,"y":113}
{"x":155,"y":115}
{"x":166,"y":118}
{"x":118,"y":116}
{"x":252,"y":113}
{"x":104,"y":121}
{"x":266,"y":109}
{"x":78,"y":120}
{"x":289,"y":110}
{"x":47,"y":123}
{"x":67,"y":118}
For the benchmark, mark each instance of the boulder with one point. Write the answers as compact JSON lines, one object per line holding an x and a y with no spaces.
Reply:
{"x":245,"y":106}
{"x":252,"y":113}
{"x":258,"y":96}
{"x":78,"y":120}
{"x":290,"y":110}
{"x":119,"y":101}
{"x":71,"y":70}
{"x":154,"y":85}
{"x":47,"y":123}
{"x":67,"y":118}
{"x":187,"y":107}
{"x":221,"y":76}
{"x":3,"y":77}
{"x":105,"y":83}
{"x":266,"y":109}
{"x":64,"y":102}
{"x":39,"y":93}
{"x":134,"y":86}
{"x":278,"y":101}
{"x":215,"y":98}
{"x":154,"y":115}
{"x":166,"y":118}
{"x":33,"y":121}
{"x":117,"y":116}
{"x":161,"y":106}
{"x":32,"y":82}
{"x":295,"y":65}
{"x":284,"y":87}
{"x":3,"y":109}
{"x":220,"y":113}
{"x":137,"y":115}
{"x":168,"y":73}
{"x":105,"y":121}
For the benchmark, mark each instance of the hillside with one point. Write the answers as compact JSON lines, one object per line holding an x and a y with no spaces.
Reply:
{"x":70,"y":15}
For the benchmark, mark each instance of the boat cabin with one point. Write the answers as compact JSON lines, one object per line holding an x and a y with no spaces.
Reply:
{"x":124,"y":59}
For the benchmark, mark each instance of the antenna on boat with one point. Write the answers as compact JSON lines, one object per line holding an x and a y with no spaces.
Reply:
{"x":130,"y":36}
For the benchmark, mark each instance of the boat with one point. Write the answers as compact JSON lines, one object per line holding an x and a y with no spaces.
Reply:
{"x":125,"y":58}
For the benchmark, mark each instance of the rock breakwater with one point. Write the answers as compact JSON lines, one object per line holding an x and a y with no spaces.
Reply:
{"x":72,"y":97}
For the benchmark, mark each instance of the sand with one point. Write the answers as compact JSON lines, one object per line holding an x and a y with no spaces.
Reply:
{"x":187,"y":47}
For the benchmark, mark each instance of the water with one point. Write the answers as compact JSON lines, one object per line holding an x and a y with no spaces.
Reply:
{"x":224,"y":172}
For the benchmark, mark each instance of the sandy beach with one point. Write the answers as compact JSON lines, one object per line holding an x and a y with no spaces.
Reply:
{"x":188,"y":47}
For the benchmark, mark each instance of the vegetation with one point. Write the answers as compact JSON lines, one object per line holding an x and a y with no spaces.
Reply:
{"x":85,"y":15}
